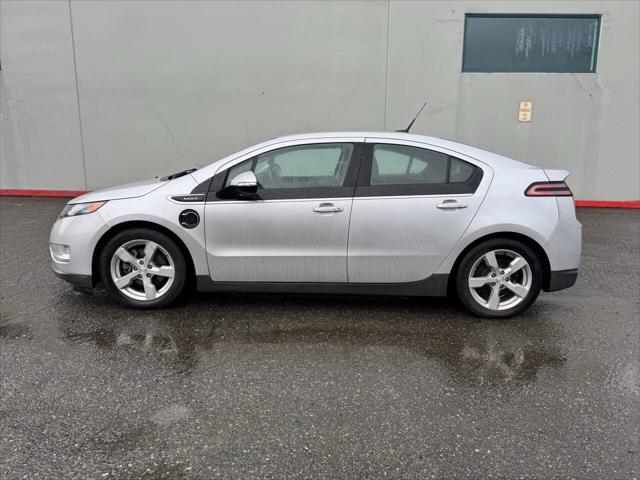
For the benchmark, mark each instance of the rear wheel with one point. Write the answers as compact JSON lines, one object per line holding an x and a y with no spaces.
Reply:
{"x":499,"y":278}
{"x":143,"y":268}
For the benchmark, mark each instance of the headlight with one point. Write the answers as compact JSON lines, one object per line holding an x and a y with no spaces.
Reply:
{"x":80,"y":209}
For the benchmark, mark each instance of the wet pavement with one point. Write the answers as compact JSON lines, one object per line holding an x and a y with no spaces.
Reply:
{"x":272,"y":386}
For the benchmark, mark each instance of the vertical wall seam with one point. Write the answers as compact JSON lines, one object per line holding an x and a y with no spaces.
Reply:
{"x":386,"y":82}
{"x":75,"y":71}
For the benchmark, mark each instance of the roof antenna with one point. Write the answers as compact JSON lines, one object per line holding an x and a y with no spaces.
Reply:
{"x":406,"y":130}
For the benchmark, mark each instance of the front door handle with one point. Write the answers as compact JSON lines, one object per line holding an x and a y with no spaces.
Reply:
{"x":451,"y":205}
{"x":327,"y":208}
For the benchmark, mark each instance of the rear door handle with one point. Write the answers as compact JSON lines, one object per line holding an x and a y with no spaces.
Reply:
{"x":327,"y":208}
{"x":451,"y":205}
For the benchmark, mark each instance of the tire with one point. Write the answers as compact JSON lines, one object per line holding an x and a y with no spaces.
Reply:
{"x":149,"y":266}
{"x":503,"y":285}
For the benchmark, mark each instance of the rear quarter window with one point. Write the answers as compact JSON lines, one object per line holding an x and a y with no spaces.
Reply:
{"x":402,"y":164}
{"x":460,"y":171}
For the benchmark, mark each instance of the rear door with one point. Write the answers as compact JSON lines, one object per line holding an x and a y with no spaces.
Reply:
{"x":296,"y":230}
{"x":411,"y":205}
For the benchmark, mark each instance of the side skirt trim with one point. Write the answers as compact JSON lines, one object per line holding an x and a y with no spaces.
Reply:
{"x":433,"y":286}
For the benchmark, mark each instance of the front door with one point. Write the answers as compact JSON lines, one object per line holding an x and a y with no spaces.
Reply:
{"x":296,"y":229}
{"x":411,"y":206}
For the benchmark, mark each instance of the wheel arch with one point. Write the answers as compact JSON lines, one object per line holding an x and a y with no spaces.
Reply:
{"x":120,"y":227}
{"x":528,"y":241}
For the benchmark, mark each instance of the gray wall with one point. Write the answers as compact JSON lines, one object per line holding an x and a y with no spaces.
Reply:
{"x":97,"y":93}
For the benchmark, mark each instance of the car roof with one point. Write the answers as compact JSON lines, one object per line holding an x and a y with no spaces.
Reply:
{"x":492,"y":159}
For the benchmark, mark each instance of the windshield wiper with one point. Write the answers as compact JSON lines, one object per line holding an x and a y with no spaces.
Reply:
{"x":178,"y":175}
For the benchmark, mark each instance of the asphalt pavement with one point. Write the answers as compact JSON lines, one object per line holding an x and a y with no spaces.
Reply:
{"x":297,"y":386}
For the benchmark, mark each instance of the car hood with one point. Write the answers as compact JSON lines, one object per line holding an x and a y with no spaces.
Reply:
{"x":130,"y":190}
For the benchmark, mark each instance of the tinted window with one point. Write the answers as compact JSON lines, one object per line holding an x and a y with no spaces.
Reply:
{"x":304,"y":166}
{"x":397,"y":170}
{"x":530,"y":43}
{"x":399,"y":164}
{"x":460,"y":171}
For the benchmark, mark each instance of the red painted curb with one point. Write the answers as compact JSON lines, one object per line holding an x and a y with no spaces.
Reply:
{"x":607,"y":204}
{"x":9,"y":192}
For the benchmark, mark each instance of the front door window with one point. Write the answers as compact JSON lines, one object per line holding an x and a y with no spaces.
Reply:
{"x":304,"y":166}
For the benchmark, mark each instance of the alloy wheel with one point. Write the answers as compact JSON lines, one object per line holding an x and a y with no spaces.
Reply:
{"x":500,"y":279}
{"x":142,"y":270}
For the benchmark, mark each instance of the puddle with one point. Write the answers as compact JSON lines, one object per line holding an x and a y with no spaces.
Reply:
{"x":15,"y":330}
{"x":474,"y":351}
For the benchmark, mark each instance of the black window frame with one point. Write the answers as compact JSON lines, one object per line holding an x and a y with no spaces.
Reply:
{"x":594,"y":16}
{"x":345,"y":191}
{"x":365,"y":189}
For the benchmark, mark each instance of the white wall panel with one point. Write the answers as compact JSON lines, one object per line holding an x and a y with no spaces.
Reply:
{"x":165,"y":85}
{"x":585,"y":123}
{"x":39,"y":130}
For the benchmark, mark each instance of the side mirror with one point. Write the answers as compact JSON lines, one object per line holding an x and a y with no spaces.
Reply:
{"x":245,"y":182}
{"x":243,"y":186}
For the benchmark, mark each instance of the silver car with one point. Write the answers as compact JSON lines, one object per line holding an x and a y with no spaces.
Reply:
{"x":357,"y":212}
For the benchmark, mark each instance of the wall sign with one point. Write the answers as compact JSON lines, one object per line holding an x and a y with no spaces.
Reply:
{"x":524,"y":111}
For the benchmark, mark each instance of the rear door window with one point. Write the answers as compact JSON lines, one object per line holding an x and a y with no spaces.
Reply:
{"x":394,"y":170}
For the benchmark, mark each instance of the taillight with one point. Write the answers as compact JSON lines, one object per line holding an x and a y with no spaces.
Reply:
{"x":548,"y":189}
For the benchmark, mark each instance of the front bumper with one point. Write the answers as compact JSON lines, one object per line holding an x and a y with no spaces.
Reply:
{"x":81,"y":234}
{"x":561,"y":279}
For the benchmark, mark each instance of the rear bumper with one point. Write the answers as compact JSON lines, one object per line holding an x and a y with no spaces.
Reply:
{"x":561,"y":279}
{"x":75,"y":279}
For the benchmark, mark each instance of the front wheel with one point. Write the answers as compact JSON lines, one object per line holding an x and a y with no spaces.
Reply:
{"x":143,"y":268}
{"x":499,"y":278}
